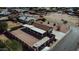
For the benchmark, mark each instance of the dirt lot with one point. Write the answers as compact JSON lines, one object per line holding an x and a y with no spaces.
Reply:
{"x":56,"y":17}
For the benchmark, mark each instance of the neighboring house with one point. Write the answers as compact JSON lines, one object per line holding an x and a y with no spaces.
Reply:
{"x":26,"y":19}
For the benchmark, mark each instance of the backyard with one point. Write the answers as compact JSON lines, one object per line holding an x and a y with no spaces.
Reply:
{"x":12,"y":24}
{"x":8,"y":44}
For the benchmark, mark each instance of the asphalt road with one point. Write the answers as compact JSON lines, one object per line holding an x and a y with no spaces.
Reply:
{"x":69,"y":43}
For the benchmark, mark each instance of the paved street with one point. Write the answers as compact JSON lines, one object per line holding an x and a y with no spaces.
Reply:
{"x":69,"y":43}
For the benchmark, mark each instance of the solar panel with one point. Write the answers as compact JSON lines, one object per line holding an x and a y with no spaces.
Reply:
{"x":39,"y":33}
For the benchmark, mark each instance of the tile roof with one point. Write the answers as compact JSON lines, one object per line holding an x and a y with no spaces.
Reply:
{"x":41,"y":26}
{"x":26,"y":38}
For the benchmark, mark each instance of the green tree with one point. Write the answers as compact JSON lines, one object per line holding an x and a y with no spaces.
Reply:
{"x":3,"y":46}
{"x":3,"y":26}
{"x":31,"y":22}
{"x":13,"y":45}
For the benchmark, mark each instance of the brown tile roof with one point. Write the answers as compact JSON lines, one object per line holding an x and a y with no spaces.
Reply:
{"x":41,"y":26}
{"x":26,"y":38}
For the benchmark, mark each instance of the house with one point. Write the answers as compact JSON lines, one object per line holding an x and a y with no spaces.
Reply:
{"x":42,"y":26}
{"x":33,"y":37}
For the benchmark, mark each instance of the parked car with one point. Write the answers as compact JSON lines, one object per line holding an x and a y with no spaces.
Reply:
{"x":71,"y":13}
